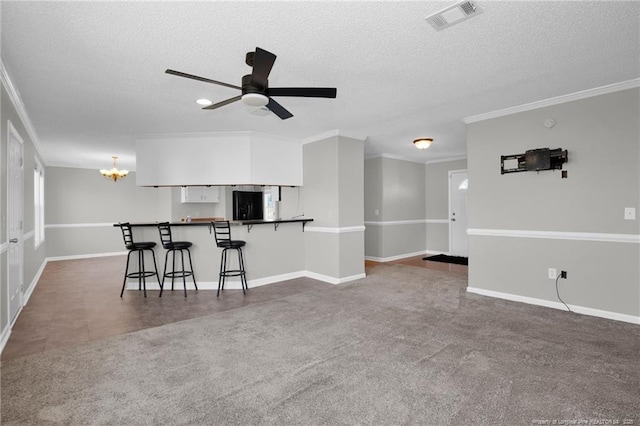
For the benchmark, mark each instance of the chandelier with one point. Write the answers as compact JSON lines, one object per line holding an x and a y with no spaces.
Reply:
{"x":114,"y":173}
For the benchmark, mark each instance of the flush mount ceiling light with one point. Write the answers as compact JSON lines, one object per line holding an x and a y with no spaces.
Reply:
{"x":114,"y":173}
{"x":204,"y":102}
{"x":255,"y":99}
{"x":423,"y":143}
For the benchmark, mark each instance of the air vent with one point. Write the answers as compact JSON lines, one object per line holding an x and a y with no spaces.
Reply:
{"x":453,"y":14}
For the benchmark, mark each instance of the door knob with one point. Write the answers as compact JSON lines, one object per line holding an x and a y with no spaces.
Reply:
{"x":453,"y":219}
{"x":13,"y":240}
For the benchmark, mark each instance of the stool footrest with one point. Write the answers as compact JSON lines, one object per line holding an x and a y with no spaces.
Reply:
{"x":232,"y":273}
{"x":178,"y":274}
{"x":140,"y":274}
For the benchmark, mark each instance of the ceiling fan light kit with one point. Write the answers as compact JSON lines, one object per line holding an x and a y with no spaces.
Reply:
{"x":255,"y":86}
{"x":255,"y":99}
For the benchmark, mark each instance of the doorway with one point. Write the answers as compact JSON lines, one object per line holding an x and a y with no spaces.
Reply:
{"x":458,"y":185}
{"x":15,"y":220}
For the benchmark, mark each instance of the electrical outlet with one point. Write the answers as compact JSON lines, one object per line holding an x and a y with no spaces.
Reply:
{"x":629,"y":213}
{"x":552,"y":273}
{"x":563,"y":274}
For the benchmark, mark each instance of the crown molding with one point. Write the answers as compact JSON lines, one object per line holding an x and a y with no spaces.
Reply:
{"x":16,"y":100}
{"x":397,"y":157}
{"x":447,"y":159}
{"x":333,"y":133}
{"x":603,"y":90}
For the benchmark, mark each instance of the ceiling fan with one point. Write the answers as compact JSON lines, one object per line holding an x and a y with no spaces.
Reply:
{"x":255,"y":86}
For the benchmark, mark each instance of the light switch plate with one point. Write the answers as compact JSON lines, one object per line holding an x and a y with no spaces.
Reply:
{"x":630,"y":213}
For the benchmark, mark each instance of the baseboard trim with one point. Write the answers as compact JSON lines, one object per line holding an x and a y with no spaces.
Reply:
{"x":556,"y":305}
{"x":34,"y":283}
{"x":333,"y":280}
{"x":86,"y":256}
{"x":4,"y":337}
{"x":235,"y":283}
{"x":404,"y":256}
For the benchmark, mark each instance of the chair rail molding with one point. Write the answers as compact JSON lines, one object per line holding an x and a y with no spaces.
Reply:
{"x":334,"y":230}
{"x":557,"y":235}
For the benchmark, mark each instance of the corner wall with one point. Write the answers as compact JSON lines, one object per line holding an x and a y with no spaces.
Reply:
{"x":394,"y":208}
{"x":333,"y":195}
{"x":521,"y":224}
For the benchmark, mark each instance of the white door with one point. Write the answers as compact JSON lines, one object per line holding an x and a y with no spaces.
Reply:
{"x":458,"y":184}
{"x":14,"y":223}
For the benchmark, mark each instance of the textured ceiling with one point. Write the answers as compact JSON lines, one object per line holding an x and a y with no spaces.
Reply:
{"x":91,"y":74}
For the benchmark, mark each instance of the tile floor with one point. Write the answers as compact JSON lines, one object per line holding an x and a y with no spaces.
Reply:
{"x":78,"y":301}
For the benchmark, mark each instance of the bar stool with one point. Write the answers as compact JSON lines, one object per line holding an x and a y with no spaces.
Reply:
{"x":140,"y":248}
{"x":172,"y":247}
{"x":222,"y":232}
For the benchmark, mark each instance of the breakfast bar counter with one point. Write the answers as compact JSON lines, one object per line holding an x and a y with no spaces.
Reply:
{"x":249,"y":223}
{"x":272,"y":253}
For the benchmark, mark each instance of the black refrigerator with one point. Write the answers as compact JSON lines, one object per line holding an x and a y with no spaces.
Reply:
{"x":247,"y":205}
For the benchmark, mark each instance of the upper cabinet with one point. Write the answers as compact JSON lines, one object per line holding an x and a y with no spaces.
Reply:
{"x":200,"y":194}
{"x":234,"y":158}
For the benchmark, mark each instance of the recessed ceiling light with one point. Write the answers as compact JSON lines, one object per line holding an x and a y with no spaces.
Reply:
{"x":204,"y":102}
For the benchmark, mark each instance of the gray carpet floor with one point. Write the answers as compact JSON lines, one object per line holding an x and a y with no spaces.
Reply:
{"x":403,"y":346}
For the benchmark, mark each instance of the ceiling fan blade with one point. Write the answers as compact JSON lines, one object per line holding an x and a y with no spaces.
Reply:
{"x":223,"y":103}
{"x":206,"y":80}
{"x":262,"y":64}
{"x":278,"y":109}
{"x":306,"y":92}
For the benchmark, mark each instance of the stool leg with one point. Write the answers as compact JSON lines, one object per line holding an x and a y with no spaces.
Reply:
{"x":239,"y":252}
{"x":173,"y":262}
{"x":142,"y":274}
{"x":126,"y":272}
{"x":155,"y":267}
{"x":243,"y":278}
{"x":164,"y":272}
{"x":139,"y":278}
{"x":184,"y":278}
{"x":193,"y":274}
{"x":221,"y":272}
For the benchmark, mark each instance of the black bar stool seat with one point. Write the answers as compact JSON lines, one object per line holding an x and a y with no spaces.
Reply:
{"x":137,"y":247}
{"x":222,"y":232}
{"x":172,"y":247}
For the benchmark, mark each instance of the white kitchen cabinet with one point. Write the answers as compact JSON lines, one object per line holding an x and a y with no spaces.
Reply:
{"x":200,"y":194}
{"x":227,"y":158}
